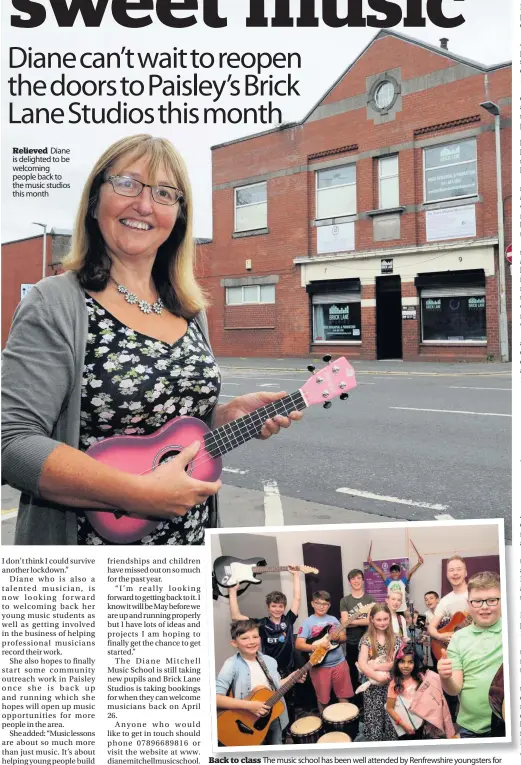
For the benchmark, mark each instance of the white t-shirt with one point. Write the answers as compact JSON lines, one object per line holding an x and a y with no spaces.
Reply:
{"x":398,"y":621}
{"x":429,"y":616}
{"x":257,"y":676}
{"x":452,"y":603}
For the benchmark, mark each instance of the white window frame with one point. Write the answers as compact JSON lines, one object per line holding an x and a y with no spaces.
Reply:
{"x":465,"y":162}
{"x":241,"y":188}
{"x":338,"y":186}
{"x":451,"y":292}
{"x":397,"y":176}
{"x":259,"y":301}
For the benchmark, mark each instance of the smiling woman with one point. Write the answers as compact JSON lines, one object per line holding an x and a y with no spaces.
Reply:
{"x":116,"y":346}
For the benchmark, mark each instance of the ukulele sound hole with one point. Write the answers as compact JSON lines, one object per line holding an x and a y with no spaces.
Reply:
{"x":168,"y":456}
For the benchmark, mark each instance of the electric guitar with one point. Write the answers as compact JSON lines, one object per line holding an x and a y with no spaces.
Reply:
{"x":239,"y":727}
{"x":457,"y":622}
{"x":230,"y":571}
{"x":334,"y":634}
{"x":142,"y":454}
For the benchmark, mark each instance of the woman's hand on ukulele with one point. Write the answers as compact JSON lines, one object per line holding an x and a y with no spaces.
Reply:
{"x":242,"y":405}
{"x":171,"y":491}
{"x":258,"y":708}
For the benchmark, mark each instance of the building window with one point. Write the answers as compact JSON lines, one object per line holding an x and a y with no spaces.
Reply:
{"x":336,"y":192}
{"x":388,"y":183}
{"x":384,"y":94}
{"x":251,"y":207}
{"x":455,"y":315}
{"x":337,"y":316}
{"x":252,"y":293}
{"x":450,"y":171}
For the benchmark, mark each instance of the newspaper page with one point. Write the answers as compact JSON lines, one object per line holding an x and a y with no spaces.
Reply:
{"x":207,"y":204}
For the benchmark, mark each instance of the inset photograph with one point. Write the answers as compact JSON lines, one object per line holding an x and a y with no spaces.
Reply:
{"x":359,"y":635}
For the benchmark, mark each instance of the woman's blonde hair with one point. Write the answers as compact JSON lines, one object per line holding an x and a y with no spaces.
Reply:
{"x":372,"y":632}
{"x":173,"y":269}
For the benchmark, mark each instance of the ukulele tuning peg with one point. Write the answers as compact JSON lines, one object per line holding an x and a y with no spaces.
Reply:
{"x":328,"y":405}
{"x":311,"y":368}
{"x":326,"y":358}
{"x":343,"y":396}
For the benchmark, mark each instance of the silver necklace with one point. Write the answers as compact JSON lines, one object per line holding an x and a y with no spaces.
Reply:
{"x":143,"y":305}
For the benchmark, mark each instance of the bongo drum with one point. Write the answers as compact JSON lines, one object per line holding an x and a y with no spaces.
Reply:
{"x":341,"y":717}
{"x":306,"y":730}
{"x":335,"y":737}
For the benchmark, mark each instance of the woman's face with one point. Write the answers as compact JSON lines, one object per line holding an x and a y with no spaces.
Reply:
{"x":135,"y":226}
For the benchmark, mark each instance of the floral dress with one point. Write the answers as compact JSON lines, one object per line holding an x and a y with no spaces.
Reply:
{"x":378,"y":725}
{"x":132,"y":385}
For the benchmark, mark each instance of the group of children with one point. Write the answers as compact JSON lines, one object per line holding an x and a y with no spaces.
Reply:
{"x":381,"y":670}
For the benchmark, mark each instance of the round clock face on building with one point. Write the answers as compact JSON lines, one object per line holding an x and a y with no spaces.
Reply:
{"x":384,"y":94}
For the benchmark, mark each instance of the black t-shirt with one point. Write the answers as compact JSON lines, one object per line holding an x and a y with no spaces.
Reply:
{"x":277,"y":640}
{"x":348,"y":603}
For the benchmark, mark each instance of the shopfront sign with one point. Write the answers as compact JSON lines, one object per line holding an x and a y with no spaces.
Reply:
{"x":386,"y":266}
{"x":408,"y":311}
{"x":451,"y":223}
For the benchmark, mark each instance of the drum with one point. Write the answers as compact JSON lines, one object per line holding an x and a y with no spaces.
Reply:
{"x":335,"y":737}
{"x":341,"y":717}
{"x":306,"y":730}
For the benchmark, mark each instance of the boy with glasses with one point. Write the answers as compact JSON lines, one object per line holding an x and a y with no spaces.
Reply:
{"x":473,"y":657}
{"x":332,"y":673}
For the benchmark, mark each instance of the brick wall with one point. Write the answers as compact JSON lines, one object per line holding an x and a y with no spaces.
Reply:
{"x":429,"y":112}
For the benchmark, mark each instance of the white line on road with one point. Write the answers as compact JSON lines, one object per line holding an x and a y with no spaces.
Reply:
{"x":273,"y":515}
{"x":450,"y":411}
{"x":444,"y":517}
{"x":235,"y":470}
{"x":470,"y":387}
{"x":223,"y":395}
{"x":269,"y":385}
{"x":227,"y":383}
{"x":396,"y":500}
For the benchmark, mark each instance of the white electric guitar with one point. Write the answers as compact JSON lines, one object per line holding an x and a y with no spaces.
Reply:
{"x":230,"y":571}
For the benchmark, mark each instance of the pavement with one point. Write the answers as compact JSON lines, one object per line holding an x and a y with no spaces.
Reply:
{"x":415,"y":441}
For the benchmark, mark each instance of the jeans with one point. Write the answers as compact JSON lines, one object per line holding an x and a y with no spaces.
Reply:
{"x":465,"y":733}
{"x":274,"y":737}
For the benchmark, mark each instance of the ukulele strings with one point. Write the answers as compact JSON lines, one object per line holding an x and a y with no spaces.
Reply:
{"x":211,"y":454}
{"x":215,"y":451}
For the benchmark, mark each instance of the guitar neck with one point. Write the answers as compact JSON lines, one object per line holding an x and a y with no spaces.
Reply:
{"x":269,"y":569}
{"x":227,"y":437}
{"x":288,"y":685}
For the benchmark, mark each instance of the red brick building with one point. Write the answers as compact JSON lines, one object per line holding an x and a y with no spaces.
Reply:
{"x":371,"y":227}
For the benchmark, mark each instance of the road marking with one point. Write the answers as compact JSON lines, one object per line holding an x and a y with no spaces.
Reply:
{"x":273,"y":515}
{"x":450,"y":411}
{"x":470,"y":387}
{"x":444,"y":517}
{"x":269,"y":385}
{"x":235,"y":470}
{"x":396,"y":500}
{"x":223,"y":395}
{"x":8,"y":514}
{"x":227,"y":383}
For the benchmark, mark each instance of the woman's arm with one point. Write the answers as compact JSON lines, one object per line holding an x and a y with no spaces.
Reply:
{"x":38,"y":373}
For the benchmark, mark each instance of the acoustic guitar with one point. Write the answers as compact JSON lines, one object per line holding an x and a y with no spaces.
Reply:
{"x":239,"y":727}
{"x":230,"y":571}
{"x":142,"y":454}
{"x":457,"y":622}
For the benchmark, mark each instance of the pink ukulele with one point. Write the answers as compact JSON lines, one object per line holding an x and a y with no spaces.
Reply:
{"x":140,"y":454}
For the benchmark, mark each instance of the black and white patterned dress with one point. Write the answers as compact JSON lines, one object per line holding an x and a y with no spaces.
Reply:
{"x":378,"y":725}
{"x":132,"y":385}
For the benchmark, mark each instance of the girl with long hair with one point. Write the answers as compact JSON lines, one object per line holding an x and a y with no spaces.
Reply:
{"x":406,"y":677}
{"x":375,"y":662}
